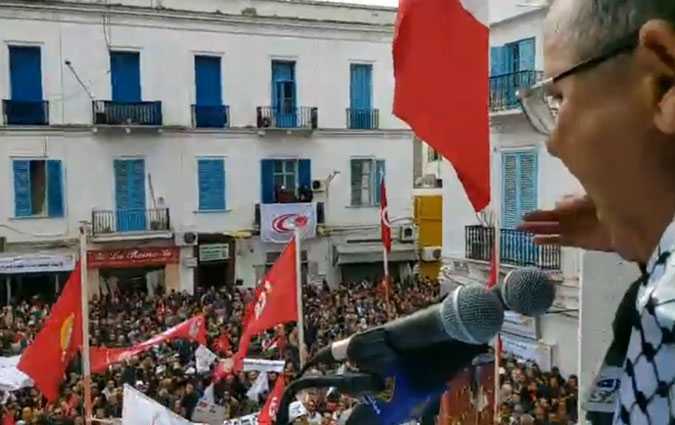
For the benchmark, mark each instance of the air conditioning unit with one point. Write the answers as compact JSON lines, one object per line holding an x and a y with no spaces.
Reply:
{"x":318,"y":186}
{"x":431,"y":254}
{"x":407,"y":233}
{"x":186,"y":239}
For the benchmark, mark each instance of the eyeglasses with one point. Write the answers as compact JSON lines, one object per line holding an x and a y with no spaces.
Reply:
{"x":541,"y":109}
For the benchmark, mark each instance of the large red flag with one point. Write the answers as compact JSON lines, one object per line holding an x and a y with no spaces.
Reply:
{"x":276,"y":301}
{"x":192,"y":330}
{"x":384,"y":217}
{"x":269,"y":412}
{"x":441,"y":68}
{"x":47,"y":358}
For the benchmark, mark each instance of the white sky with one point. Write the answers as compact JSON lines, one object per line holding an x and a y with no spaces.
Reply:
{"x":375,"y":2}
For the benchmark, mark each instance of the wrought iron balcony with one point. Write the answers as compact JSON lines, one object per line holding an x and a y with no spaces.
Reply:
{"x":363,"y":119}
{"x":503,"y":88}
{"x":108,"y":112}
{"x":21,"y":112}
{"x":517,"y":248}
{"x":301,"y":117}
{"x":110,"y":222}
{"x":217,"y":116}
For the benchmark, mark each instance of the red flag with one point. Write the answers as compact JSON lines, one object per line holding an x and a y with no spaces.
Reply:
{"x":384,"y":217}
{"x":441,"y":69}
{"x":192,"y":330}
{"x":47,"y":358}
{"x":276,"y":301}
{"x":269,"y":412}
{"x":222,"y":344}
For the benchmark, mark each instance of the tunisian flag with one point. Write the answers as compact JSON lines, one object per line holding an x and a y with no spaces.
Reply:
{"x":275,"y":303}
{"x":384,"y":217}
{"x":47,"y":358}
{"x":441,"y":69}
{"x":192,"y":330}
{"x":268,"y":414}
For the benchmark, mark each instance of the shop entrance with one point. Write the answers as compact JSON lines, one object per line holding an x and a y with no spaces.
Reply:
{"x":145,"y":280}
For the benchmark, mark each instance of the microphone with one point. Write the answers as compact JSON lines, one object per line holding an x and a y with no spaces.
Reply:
{"x":470,"y":315}
{"x":528,"y":291}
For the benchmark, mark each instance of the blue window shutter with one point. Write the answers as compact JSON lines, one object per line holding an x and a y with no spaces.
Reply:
{"x":510,"y":190}
{"x":361,"y":87}
{"x":526,"y":54}
{"x":211,"y":184}
{"x":527,"y":183}
{"x":121,"y":184}
{"x":497,"y":64}
{"x":25,"y":67}
{"x":208,"y":81}
{"x":55,"y":189}
{"x":283,"y":84}
{"x":379,"y":175}
{"x":22,"y":193}
{"x":125,"y":76}
{"x":137,"y":184}
{"x":305,"y":173}
{"x":267,"y":180}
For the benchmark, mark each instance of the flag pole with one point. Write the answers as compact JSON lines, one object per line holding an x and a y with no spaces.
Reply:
{"x":498,"y":264}
{"x":385,"y":260}
{"x":84,"y":292}
{"x":298,"y":279}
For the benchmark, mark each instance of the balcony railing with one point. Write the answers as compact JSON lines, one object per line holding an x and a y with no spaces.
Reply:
{"x":363,"y":119}
{"x":301,"y":117}
{"x":20,"y":112}
{"x":109,"y":222}
{"x":217,"y":116}
{"x":517,"y":248}
{"x":503,"y":88}
{"x":127,"y":113}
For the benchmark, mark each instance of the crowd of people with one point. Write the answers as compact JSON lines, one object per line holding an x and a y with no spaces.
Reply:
{"x":167,"y":373}
{"x":532,"y":397}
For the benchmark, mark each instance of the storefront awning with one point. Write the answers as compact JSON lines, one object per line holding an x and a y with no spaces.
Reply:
{"x":372,"y":253}
{"x":49,"y":261}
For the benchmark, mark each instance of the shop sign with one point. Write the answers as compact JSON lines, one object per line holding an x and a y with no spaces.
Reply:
{"x":134,"y":257}
{"x":523,"y":349}
{"x":37,"y":264}
{"x":214,"y":252}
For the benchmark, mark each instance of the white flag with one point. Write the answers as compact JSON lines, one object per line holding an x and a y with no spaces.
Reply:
{"x":262,"y":365}
{"x":204,"y":358}
{"x":260,"y":386}
{"x":11,"y":378}
{"x":278,"y":221}
{"x":138,"y":409}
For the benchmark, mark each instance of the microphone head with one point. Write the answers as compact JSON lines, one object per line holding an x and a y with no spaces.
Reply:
{"x":472,"y":315}
{"x":528,"y":291}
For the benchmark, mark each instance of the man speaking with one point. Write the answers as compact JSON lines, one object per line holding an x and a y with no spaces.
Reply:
{"x":608,"y":109}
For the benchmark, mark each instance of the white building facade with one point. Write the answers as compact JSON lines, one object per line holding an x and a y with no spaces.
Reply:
{"x":171,"y":127}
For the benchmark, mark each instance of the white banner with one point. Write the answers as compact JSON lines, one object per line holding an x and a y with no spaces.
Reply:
{"x":244,"y":420}
{"x":138,"y":409}
{"x":11,"y":378}
{"x":277,"y":221}
{"x":37,"y":264}
{"x":208,"y":413}
{"x":204,"y":358}
{"x":260,"y":365}
{"x":261,"y":385}
{"x":525,"y":349}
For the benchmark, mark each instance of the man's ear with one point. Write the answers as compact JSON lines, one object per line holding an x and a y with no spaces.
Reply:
{"x":658,"y":38}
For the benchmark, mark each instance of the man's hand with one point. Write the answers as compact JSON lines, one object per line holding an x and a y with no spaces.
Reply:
{"x":573,"y":222}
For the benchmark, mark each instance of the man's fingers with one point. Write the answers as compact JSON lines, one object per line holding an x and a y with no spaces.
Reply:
{"x":541,"y":227}
{"x":542,"y":215}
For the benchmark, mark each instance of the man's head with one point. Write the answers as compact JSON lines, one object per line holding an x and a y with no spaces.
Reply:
{"x":616,"y":117}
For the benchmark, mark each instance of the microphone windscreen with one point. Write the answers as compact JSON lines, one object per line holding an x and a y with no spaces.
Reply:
{"x":472,"y":315}
{"x":528,"y":291}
